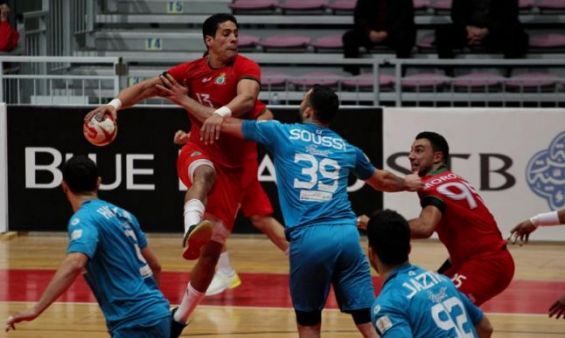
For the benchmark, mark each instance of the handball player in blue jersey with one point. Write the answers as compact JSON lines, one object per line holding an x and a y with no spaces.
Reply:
{"x":107,"y":245}
{"x":313,"y":164}
{"x":415,"y":302}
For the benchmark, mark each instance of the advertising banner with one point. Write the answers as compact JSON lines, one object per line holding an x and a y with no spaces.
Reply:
{"x":513,"y":157}
{"x":138,"y":169}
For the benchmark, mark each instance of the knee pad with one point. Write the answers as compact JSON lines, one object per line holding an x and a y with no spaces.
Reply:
{"x":308,"y":318}
{"x":361,"y":316}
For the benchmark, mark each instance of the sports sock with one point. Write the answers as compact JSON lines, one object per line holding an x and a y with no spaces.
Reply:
{"x":190,"y":300}
{"x":193,"y":211}
{"x":224,"y":265}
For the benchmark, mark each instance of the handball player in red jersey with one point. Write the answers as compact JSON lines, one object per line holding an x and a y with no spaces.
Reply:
{"x":479,"y":263}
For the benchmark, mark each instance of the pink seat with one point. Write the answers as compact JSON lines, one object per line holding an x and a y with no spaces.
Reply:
{"x":253,"y":4}
{"x":342,"y":5}
{"x":424,"y":81}
{"x":426,"y":42}
{"x":444,"y":5}
{"x":477,"y":80}
{"x":551,"y":4}
{"x":328,"y":42}
{"x":532,"y":81}
{"x":551,"y":40}
{"x":321,"y":78}
{"x":365,"y":81}
{"x":297,"y":5}
{"x":285,"y":41}
{"x":273,"y":79}
{"x":421,"y":4}
{"x":526,"y":4}
{"x":247,"y":40}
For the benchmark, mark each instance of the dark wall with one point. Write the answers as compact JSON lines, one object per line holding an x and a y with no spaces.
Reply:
{"x":139,"y":166}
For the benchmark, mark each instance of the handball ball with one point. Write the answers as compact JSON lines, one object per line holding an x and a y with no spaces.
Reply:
{"x":100,"y":133}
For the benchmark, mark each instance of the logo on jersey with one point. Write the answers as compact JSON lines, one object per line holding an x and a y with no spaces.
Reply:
{"x":195,"y":153}
{"x":545,"y":173}
{"x":206,"y":79}
{"x":383,"y":324}
{"x":221,"y":79}
{"x":75,"y":221}
{"x":76,"y":234}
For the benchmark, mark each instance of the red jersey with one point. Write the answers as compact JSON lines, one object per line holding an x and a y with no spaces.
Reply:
{"x":467,"y":228}
{"x":215,"y":88}
{"x":8,"y":37}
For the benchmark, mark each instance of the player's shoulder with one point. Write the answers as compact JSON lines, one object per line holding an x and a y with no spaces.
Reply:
{"x":242,"y":59}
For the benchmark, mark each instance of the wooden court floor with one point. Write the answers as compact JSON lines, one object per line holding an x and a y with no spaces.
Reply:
{"x":260,"y":307}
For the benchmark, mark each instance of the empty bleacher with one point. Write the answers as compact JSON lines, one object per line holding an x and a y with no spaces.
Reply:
{"x":298,"y":43}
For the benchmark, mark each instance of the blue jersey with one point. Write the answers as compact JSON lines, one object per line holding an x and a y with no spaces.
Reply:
{"x":418,"y":303}
{"x":313,"y":164}
{"x":117,"y":273}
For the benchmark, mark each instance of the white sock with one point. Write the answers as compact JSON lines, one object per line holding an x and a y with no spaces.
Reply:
{"x":224,"y":264}
{"x":193,"y":211}
{"x":190,"y":300}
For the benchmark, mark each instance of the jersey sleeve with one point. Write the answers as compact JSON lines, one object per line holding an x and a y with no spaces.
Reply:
{"x":363,"y":167}
{"x":433,"y":200}
{"x":390,"y":322}
{"x":248,"y":69}
{"x":179,"y":72}
{"x":264,"y":132}
{"x":474,"y":312}
{"x":83,"y":236}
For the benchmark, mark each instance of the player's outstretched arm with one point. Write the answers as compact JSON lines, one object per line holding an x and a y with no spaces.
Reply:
{"x":521,"y":232}
{"x":69,"y":270}
{"x":126,"y":98}
{"x":153,"y":263}
{"x":386,"y":181}
{"x":425,"y":225}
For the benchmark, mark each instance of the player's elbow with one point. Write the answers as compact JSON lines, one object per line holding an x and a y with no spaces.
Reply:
{"x":484,"y":328}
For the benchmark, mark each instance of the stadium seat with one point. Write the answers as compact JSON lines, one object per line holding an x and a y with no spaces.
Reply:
{"x":240,"y":6}
{"x":301,"y":5}
{"x":426,"y":43}
{"x":526,"y":4}
{"x":420,"y":5}
{"x":478,"y":81}
{"x":425,"y":82}
{"x":309,"y":79}
{"x":342,"y":6}
{"x":286,"y":42}
{"x":532,"y":82}
{"x":328,"y":43}
{"x":551,"y":5}
{"x":364,"y":82}
{"x":247,"y":41}
{"x":441,"y":5}
{"x":552,"y":40}
{"x":273,"y":80}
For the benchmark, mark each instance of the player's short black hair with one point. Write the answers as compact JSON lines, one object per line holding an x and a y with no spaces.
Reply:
{"x":389,"y":236}
{"x":211,"y":24}
{"x":325,"y":103}
{"x":438,"y":142}
{"x":81,"y":174}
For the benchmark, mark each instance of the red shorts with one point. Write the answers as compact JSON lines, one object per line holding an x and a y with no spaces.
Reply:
{"x":484,"y":276}
{"x":225,"y":196}
{"x":255,"y":200}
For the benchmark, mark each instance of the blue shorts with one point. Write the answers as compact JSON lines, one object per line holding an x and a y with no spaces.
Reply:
{"x":324,"y":255}
{"x":159,"y":329}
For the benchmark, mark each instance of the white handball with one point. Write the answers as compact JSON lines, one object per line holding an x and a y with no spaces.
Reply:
{"x":100,"y":133}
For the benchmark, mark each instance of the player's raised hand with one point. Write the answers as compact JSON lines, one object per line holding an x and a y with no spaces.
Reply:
{"x":181,"y":137}
{"x":521,"y":232}
{"x":26,"y":315}
{"x":413,"y":182}
{"x":101,"y":112}
{"x":557,"y":309}
{"x":211,"y":128}
{"x":171,"y":90}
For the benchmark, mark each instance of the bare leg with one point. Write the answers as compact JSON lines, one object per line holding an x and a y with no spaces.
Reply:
{"x":309,"y":331}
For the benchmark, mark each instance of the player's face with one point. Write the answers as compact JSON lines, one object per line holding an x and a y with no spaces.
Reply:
{"x":223,"y":45}
{"x":421,"y":156}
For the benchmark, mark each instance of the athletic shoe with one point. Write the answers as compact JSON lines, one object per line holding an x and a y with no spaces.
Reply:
{"x":195,"y":238}
{"x":176,"y":327}
{"x":221,"y":282}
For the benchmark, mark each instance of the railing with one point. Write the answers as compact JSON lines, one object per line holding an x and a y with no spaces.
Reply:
{"x":56,"y":85}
